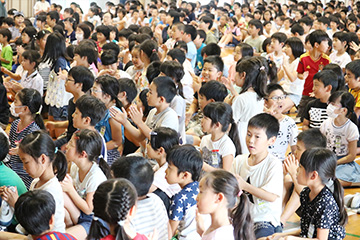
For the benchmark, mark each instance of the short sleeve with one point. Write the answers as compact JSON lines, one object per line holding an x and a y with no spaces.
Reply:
{"x":323,"y":127}
{"x":274,"y":177}
{"x":327,"y":213}
{"x":300,"y":67}
{"x":95,"y":180}
{"x":171,"y":121}
{"x":353,"y":133}
{"x":177,"y":208}
{"x":227,"y":148}
{"x":8,"y":55}
{"x":293,"y":130}
{"x":237,"y":107}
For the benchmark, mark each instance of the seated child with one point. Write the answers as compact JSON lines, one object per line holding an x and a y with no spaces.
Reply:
{"x":151,"y":213}
{"x":184,"y":168}
{"x":260,"y":174}
{"x":109,"y":65}
{"x":138,"y":65}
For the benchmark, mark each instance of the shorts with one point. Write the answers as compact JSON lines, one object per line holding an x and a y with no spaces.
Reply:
{"x":59,"y":114}
{"x":235,"y":41}
{"x":85,"y":221}
{"x":349,"y":172}
{"x":295,"y":98}
{"x":265,"y":229}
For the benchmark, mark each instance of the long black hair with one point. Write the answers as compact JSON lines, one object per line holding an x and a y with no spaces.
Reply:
{"x":32,"y":99}
{"x":150,"y":48}
{"x":55,"y":48}
{"x":110,"y":85}
{"x":347,"y":101}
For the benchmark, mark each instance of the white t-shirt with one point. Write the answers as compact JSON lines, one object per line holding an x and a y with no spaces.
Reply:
{"x":287,"y":135}
{"x":297,"y":86}
{"x":39,"y":5}
{"x":224,"y":232}
{"x":267,"y":175}
{"x":213,"y":152}
{"x":187,"y":82}
{"x":161,"y":183}
{"x":92,"y":180}
{"x":93,"y":19}
{"x":179,"y":106}
{"x":338,"y":137}
{"x":244,"y":107}
{"x":278,"y":60}
{"x":167,"y":118}
{"x":34,"y":81}
{"x":151,"y":214}
{"x":340,"y":60}
{"x":54,"y":188}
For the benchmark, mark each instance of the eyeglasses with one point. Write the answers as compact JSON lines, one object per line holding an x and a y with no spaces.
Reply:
{"x":70,"y":80}
{"x":94,"y":90}
{"x":277,"y":98}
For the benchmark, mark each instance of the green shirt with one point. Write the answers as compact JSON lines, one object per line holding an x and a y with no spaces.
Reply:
{"x":7,"y":54}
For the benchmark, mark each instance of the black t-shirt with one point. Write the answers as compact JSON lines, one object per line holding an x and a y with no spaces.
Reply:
{"x":71,"y":110}
{"x":316,"y":113}
{"x":4,"y":106}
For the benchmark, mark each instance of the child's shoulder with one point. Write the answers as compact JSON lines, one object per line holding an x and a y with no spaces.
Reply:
{"x":325,"y":57}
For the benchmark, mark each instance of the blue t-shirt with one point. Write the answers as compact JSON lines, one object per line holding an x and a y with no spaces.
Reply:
{"x":191,"y":53}
{"x":199,"y":58}
{"x":183,"y":200}
{"x":61,"y":63}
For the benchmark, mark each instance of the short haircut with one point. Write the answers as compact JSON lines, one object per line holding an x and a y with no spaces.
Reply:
{"x":6,"y":33}
{"x":281,"y":37}
{"x":327,"y":77}
{"x":187,"y":159}
{"x":318,"y":36}
{"x":211,"y":49}
{"x":180,"y":26}
{"x":164,"y":137}
{"x":54,"y":15}
{"x":324,"y":20}
{"x":266,"y":122}
{"x":82,"y":75}
{"x":246,"y":49}
{"x":125,"y":33}
{"x":146,"y":30}
{"x":296,"y":45}
{"x":207,"y":20}
{"x":4,"y":146}
{"x":128,"y":85}
{"x":202,"y":34}
{"x":214,"y":90}
{"x":216,"y":61}
{"x":354,"y":67}
{"x":86,"y":50}
{"x":104,"y":30}
{"x":297,"y":28}
{"x":342,"y":36}
{"x":273,"y":87}
{"x":86,"y":29}
{"x":135,"y":169}
{"x":108,"y":57}
{"x":307,"y":21}
{"x":92,"y":107}
{"x":189,"y":29}
{"x":177,"y":54}
{"x":34,"y":210}
{"x":9,"y":21}
{"x":312,"y":138}
{"x":165,"y":87}
{"x":257,"y":24}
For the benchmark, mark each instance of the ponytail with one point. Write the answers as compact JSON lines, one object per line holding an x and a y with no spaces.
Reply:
{"x":234,"y":136}
{"x":261,"y":82}
{"x":339,"y":198}
{"x":242,"y":221}
{"x":272,"y":71}
{"x":149,"y":47}
{"x":32,"y":99}
{"x":154,"y":56}
{"x":59,"y":164}
{"x":97,"y":229}
{"x":104,"y":167}
{"x":118,"y":103}
{"x":121,"y":234}
{"x":39,"y":121}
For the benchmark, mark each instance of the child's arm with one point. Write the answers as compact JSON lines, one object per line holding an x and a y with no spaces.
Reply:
{"x":257,"y":192}
{"x":14,"y":76}
{"x":291,"y":166}
{"x":305,"y":124}
{"x":226,"y":161}
{"x":192,"y":109}
{"x":352,"y":153}
{"x":173,"y":226}
{"x":357,"y":111}
{"x":291,"y":75}
{"x":116,"y":135}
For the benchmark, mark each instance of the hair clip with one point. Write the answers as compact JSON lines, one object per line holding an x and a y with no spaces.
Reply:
{"x":95,"y":218}
{"x":153,"y":134}
{"x":56,"y":150}
{"x":240,"y":192}
{"x":262,"y":68}
{"x":154,"y":50}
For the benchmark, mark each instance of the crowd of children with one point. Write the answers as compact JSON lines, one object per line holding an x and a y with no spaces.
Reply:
{"x":154,"y":130}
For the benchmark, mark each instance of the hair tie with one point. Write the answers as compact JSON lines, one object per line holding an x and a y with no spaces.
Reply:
{"x":56,"y":150}
{"x":95,"y":218}
{"x":121,"y":223}
{"x":240,"y":192}
{"x":154,"y":50}
{"x":262,"y":68}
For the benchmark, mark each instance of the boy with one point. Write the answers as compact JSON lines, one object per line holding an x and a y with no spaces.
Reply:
{"x":184,"y":168}
{"x":52,"y":18}
{"x":352,"y":78}
{"x":324,"y":22}
{"x":127,"y":92}
{"x":188,"y":37}
{"x":340,"y":44}
{"x":151,"y":213}
{"x":334,"y":22}
{"x":298,"y":31}
{"x":206,"y":24}
{"x":306,"y":22}
{"x":310,"y":63}
{"x":15,"y":30}
{"x":286,"y":27}
{"x":85,"y":55}
{"x":6,"y":52}
{"x":255,"y":38}
{"x":325,"y":83}
{"x":199,"y":43}
{"x":277,"y":43}
{"x":41,"y":22}
{"x":260,"y":174}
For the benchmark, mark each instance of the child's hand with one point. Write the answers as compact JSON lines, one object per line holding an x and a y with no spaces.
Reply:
{"x":4,"y":70}
{"x":354,"y":46}
{"x":62,"y":74}
{"x":136,"y":115}
{"x":291,"y":165}
{"x":305,"y":75}
{"x":15,"y":150}
{"x":227,"y":82}
{"x":196,"y":82}
{"x":67,"y":183}
{"x":164,"y":47}
{"x":241,"y":181}
{"x":9,"y":195}
{"x":137,"y":77}
{"x":15,"y":86}
{"x":199,"y":223}
{"x":188,"y":116}
{"x":275,"y":236}
{"x":154,"y":235}
{"x":119,"y":116}
{"x":49,"y":125}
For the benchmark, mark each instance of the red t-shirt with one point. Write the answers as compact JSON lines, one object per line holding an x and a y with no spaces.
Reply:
{"x":137,"y":237}
{"x":307,"y":64}
{"x":56,"y":235}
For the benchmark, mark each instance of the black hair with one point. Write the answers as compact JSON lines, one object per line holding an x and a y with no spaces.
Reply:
{"x":214,"y":90}
{"x":31,"y":32}
{"x":211,"y":49}
{"x":281,"y":37}
{"x":165,"y":87}
{"x":135,"y":169}
{"x":125,"y":33}
{"x":104,"y":30}
{"x":307,"y":21}
{"x":207,"y":20}
{"x":164,"y":137}
{"x":128,"y":85}
{"x":69,"y":10}
{"x":190,"y":29}
{"x":146,"y":30}
{"x":257,"y":24}
{"x":266,"y":122}
{"x":256,"y":76}
{"x":9,"y":21}
{"x":39,"y":142}
{"x":149,"y":47}
{"x":343,"y":37}
{"x":318,"y":36}
{"x":86,"y":50}
{"x":59,"y":27}
{"x":273,"y":87}
{"x":246,"y":49}
{"x":327,"y":77}
{"x":296,"y":45}
{"x":265,"y":43}
{"x":216,"y":61}
{"x":54,"y":15}
{"x":153,"y":71}
{"x":6,"y":33}
{"x":347,"y":101}
{"x":143,"y":99}
{"x":91,"y":142}
{"x":32,"y":99}
{"x":112,"y":46}
{"x":297,"y":28}
{"x":202,"y":34}
{"x":86,"y":105}
{"x":90,"y":25}
{"x":33,"y":57}
{"x":72,"y":21}
{"x":4,"y":146}
{"x":54,"y":48}
{"x":177,"y":54}
{"x":187,"y":159}
{"x":222,"y":113}
{"x":354,"y":67}
{"x":312,"y":138}
{"x":324,"y":20}
{"x":140,"y":38}
{"x":82,"y":75}
{"x":182,"y":45}
{"x":110,"y":86}
{"x":221,"y":181}
{"x":108,"y":57}
{"x":324,"y":162}
{"x":42,"y":33}
{"x":34,"y":210}
{"x":86,"y":29}
{"x":339,"y":74}
{"x":176,"y":71}
{"x":112,"y":201}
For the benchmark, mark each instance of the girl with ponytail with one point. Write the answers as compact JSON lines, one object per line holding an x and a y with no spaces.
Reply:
{"x":148,"y":54}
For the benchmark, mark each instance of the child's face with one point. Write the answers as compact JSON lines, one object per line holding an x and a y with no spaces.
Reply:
{"x":269,"y":49}
{"x":257,"y":141}
{"x":27,"y":65}
{"x":78,"y":120}
{"x":351,"y":80}
{"x":253,"y":31}
{"x":152,"y":96}
{"x":222,"y":21}
{"x":171,"y":174}
{"x":206,"y":199}
{"x":287,"y":50}
{"x":287,"y":23}
{"x":333,"y":25}
{"x":275,"y":101}
{"x":198,"y":41}
{"x":3,"y":39}
{"x":357,"y":55}
{"x":308,"y":46}
{"x":176,"y":33}
{"x":18,"y":20}
{"x":203,"y":102}
{"x":300,"y":149}
{"x":268,"y":27}
{"x":25,"y":38}
{"x":323,"y":46}
{"x":239,"y":79}
{"x":66,"y":15}
{"x":71,"y":153}
{"x":70,"y":84}
{"x":33,"y":168}
{"x":100,"y":37}
{"x":337,"y":44}
{"x":68,"y":25}
{"x":301,"y":176}
{"x":210,"y":72}
{"x":319,"y":89}
{"x":151,"y":153}
{"x":322,"y":26}
{"x":237,"y":53}
{"x":135,"y":53}
{"x":39,"y":24}
{"x":97,"y":92}
{"x":112,"y":35}
{"x":352,"y":27}
{"x":276,"y":45}
{"x":207,"y":124}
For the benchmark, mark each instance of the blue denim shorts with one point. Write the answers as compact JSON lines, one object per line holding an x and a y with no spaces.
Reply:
{"x":85,"y":221}
{"x":265,"y":229}
{"x":59,"y":114}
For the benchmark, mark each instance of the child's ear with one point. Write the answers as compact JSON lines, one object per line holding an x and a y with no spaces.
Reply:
{"x":161,"y":151}
{"x":316,"y":45}
{"x":87,"y":120}
{"x":162,"y":99}
{"x":314,"y":175}
{"x":220,"y":197}
{"x":328,"y":88}
{"x":84,"y":154}
{"x":219,"y":75}
{"x":52,"y":222}
{"x":43,"y":158}
{"x":132,"y":211}
{"x":271,"y":140}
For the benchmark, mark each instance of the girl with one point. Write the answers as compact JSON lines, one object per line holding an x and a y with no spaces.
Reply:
{"x":232,"y":35}
{"x":114,"y":34}
{"x":106,"y":88}
{"x":93,"y":16}
{"x":218,"y":148}
{"x":109,"y":62}
{"x":44,"y":67}
{"x":142,"y":103}
{"x":218,"y":196}
{"x":342,"y":135}
{"x":28,"y":36}
{"x":27,"y":107}
{"x":40,"y":159}
{"x":292,"y":85}
{"x":241,"y":50}
{"x":70,"y":26}
{"x":138,"y":65}
{"x":82,"y":32}
{"x":86,"y":174}
{"x":102,"y":36}
{"x":148,"y":54}
{"x":114,"y":207}
{"x":322,"y":211}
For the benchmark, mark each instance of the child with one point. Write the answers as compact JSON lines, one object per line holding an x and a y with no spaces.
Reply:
{"x":352,"y":78}
{"x":287,"y":74}
{"x":323,"y":191}
{"x":260,"y":174}
{"x":206,"y":23}
{"x":340,"y":45}
{"x":26,"y":106}
{"x":6,"y":57}
{"x":199,"y":43}
{"x":288,"y":130}
{"x":138,"y":65}
{"x":219,"y":192}
{"x":184,"y":168}
{"x":86,"y":175}
{"x":232,"y":35}
{"x":86,"y":55}
{"x":255,"y":38}
{"x":342,"y":135}
{"x":189,"y":36}
{"x":102,"y":36}
{"x":109,"y":63}
{"x":277,"y":44}
{"x":151,"y":213}
{"x":70,"y":26}
{"x":108,"y":212}
{"x":219,"y":148}
{"x":52,"y":18}
{"x":310,"y":63}
{"x":28,"y":35}
{"x":241,"y":50}
{"x":325,"y":83}
{"x":16,"y":29}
